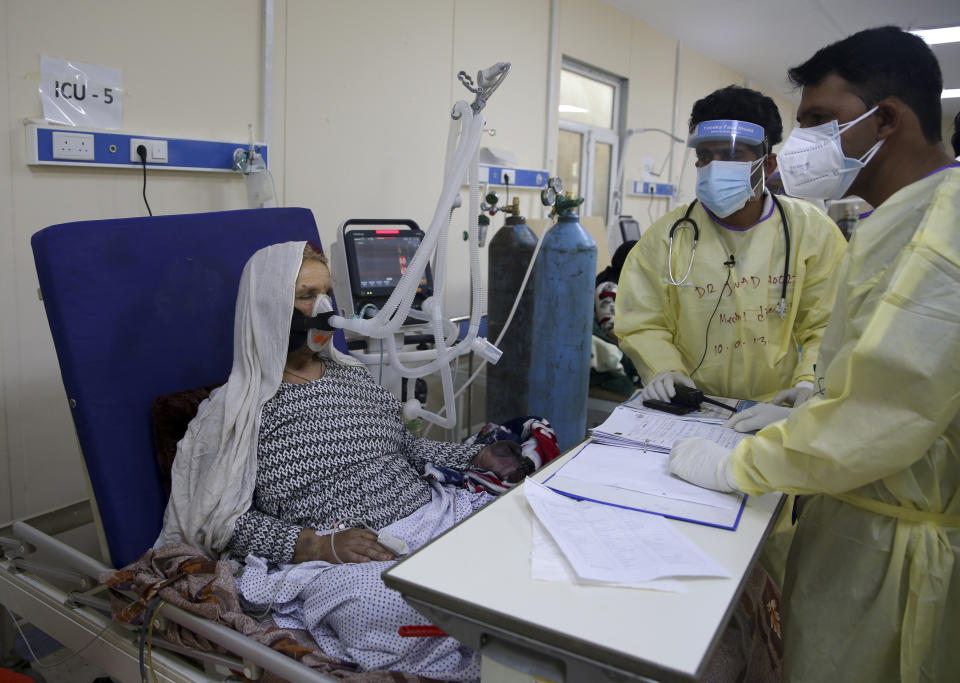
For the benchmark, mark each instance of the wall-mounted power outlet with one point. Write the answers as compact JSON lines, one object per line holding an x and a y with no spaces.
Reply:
{"x":526,"y":178}
{"x":56,"y":146}
{"x":647,"y":189}
{"x":72,"y":145}
{"x":156,"y":150}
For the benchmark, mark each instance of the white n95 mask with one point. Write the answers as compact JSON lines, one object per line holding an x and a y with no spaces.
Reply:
{"x":812,"y":164}
{"x":724,"y":186}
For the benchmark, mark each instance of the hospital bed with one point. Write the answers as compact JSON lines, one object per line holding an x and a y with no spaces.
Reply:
{"x":138,"y":308}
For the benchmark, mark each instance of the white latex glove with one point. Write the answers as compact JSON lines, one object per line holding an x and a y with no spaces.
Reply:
{"x":702,"y":462}
{"x":661,"y":387}
{"x":795,"y":396}
{"x":757,"y":417}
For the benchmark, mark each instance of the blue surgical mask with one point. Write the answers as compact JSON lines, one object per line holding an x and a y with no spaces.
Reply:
{"x":724,"y":186}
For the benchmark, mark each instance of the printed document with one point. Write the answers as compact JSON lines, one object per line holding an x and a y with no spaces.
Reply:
{"x":548,"y":563}
{"x":638,"y":471}
{"x":654,"y":430}
{"x":614,"y":545}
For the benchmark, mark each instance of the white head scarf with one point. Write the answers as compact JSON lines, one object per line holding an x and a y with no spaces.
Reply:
{"x":215,"y":470}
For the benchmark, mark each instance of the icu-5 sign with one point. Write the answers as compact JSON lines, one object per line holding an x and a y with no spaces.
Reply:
{"x":82,"y":95}
{"x":78,"y":92}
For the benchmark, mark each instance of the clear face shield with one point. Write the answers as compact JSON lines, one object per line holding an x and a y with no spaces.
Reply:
{"x":727,"y":140}
{"x":730,"y":156}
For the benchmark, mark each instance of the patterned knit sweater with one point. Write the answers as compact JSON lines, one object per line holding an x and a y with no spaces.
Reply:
{"x":331,"y":450}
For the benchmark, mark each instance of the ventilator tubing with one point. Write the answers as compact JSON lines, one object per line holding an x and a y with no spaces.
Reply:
{"x":463,"y":145}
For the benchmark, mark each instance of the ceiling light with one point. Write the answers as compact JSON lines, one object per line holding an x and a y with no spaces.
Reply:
{"x":948,"y":94}
{"x":571,"y":109}
{"x":935,"y":36}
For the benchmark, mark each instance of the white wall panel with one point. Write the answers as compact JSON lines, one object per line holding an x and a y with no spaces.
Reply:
{"x":368,"y":96}
{"x":190,"y":69}
{"x":8,"y":332}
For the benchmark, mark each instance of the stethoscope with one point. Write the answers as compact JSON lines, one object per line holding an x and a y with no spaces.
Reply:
{"x":687,"y":222}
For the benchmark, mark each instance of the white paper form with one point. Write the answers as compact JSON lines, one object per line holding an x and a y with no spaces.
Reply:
{"x":548,"y":563}
{"x":659,"y":432}
{"x":647,"y":472}
{"x":610,"y":544}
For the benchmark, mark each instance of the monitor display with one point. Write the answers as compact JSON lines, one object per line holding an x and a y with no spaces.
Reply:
{"x":379,"y":257}
{"x":629,"y":228}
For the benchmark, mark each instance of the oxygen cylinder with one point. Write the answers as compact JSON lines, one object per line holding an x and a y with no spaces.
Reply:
{"x":508,"y":387}
{"x":559,"y":374}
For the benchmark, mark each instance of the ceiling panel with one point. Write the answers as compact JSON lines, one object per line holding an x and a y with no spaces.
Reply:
{"x":763,"y":38}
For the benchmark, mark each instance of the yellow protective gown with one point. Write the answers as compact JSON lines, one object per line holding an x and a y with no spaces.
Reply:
{"x":872,"y":591}
{"x":750,"y":352}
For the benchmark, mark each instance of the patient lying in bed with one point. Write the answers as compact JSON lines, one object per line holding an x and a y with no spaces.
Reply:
{"x":299,"y":459}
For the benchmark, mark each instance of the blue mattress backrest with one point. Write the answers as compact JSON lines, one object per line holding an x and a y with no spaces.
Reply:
{"x":141,"y":307}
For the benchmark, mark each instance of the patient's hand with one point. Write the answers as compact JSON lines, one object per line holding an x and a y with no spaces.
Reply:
{"x":504,"y":459}
{"x":353,"y":545}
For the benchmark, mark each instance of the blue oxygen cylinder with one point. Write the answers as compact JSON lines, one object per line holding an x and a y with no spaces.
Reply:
{"x":562,"y":325}
{"x":508,"y":387}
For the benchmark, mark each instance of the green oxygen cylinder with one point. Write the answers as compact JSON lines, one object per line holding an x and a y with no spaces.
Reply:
{"x":559,"y":373}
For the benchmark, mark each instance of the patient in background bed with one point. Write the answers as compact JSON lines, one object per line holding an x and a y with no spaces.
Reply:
{"x":612,"y":374}
{"x":302,"y":443}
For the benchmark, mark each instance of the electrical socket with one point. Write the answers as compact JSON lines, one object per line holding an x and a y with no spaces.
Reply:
{"x":508,"y":176}
{"x":156,"y":150}
{"x":657,"y":189}
{"x":74,"y":146}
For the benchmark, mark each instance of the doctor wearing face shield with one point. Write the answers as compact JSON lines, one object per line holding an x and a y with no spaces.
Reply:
{"x":731,"y":293}
{"x":872,"y":580}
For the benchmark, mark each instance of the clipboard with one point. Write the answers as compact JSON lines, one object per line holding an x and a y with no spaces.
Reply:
{"x":680,"y":510}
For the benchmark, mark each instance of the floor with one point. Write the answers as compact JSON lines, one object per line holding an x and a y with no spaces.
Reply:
{"x":55,"y":664}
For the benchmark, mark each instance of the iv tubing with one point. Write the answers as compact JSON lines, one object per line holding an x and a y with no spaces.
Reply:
{"x":503,"y":332}
{"x":444,"y":356}
{"x":391,"y":316}
{"x":394,"y":312}
{"x":506,"y":325}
